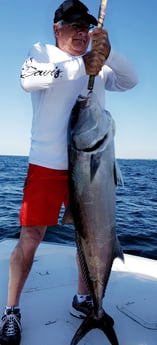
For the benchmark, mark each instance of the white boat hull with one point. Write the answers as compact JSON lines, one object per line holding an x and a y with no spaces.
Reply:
{"x":131,"y":298}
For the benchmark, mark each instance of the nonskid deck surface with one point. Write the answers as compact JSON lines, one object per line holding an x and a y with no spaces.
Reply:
{"x":46,"y":299}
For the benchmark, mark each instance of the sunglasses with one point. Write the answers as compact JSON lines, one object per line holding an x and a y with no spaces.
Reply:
{"x":80,"y":27}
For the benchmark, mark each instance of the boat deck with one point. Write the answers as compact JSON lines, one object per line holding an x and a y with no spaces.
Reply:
{"x":131,"y":298}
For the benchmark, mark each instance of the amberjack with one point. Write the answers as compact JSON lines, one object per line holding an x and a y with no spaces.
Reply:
{"x":92,"y":184}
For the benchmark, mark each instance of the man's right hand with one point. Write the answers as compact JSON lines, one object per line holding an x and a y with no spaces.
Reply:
{"x":95,"y":59}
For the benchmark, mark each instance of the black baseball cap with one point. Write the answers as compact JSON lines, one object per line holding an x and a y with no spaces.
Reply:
{"x":71,"y":10}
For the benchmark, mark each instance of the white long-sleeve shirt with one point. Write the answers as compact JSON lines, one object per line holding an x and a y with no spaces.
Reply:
{"x":55,"y":79}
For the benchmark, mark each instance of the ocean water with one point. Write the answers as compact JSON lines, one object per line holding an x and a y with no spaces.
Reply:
{"x":136,"y":214}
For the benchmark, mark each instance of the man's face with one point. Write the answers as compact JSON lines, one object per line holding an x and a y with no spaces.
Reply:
{"x":72,"y":38}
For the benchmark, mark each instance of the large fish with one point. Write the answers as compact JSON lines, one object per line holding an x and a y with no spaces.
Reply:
{"x":92,"y":178}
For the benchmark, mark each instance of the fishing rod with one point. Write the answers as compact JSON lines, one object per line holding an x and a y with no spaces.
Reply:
{"x":101,"y":17}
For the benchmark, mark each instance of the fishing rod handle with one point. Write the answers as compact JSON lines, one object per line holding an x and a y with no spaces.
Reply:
{"x":102,"y":12}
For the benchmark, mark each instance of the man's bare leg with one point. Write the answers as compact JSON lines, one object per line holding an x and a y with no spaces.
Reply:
{"x":21,"y":261}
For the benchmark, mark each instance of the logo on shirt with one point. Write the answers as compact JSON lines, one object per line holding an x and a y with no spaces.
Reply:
{"x":29,"y":70}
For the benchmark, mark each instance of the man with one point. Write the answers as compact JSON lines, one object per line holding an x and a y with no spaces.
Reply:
{"x":55,"y":76}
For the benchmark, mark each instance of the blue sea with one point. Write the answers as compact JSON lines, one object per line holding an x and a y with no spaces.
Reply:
{"x":136,"y":205}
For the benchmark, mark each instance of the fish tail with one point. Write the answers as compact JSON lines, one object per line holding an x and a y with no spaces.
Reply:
{"x":91,"y":322}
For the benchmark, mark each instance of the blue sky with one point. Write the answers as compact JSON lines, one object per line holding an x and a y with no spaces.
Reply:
{"x":132,"y":28}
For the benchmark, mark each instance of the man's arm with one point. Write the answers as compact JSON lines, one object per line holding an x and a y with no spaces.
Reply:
{"x":36,"y":74}
{"x":119,"y":74}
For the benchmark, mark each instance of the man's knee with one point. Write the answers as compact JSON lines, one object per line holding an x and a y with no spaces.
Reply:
{"x":31,"y":236}
{"x":24,"y":251}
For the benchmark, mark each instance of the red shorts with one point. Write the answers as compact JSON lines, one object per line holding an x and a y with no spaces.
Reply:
{"x":45,"y":190}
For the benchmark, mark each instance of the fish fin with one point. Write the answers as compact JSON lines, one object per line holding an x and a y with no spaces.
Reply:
{"x":67,"y":217}
{"x":94,"y":164}
{"x":91,"y":322}
{"x":118,"y":178}
{"x":83,"y":264}
{"x":118,"y":250}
